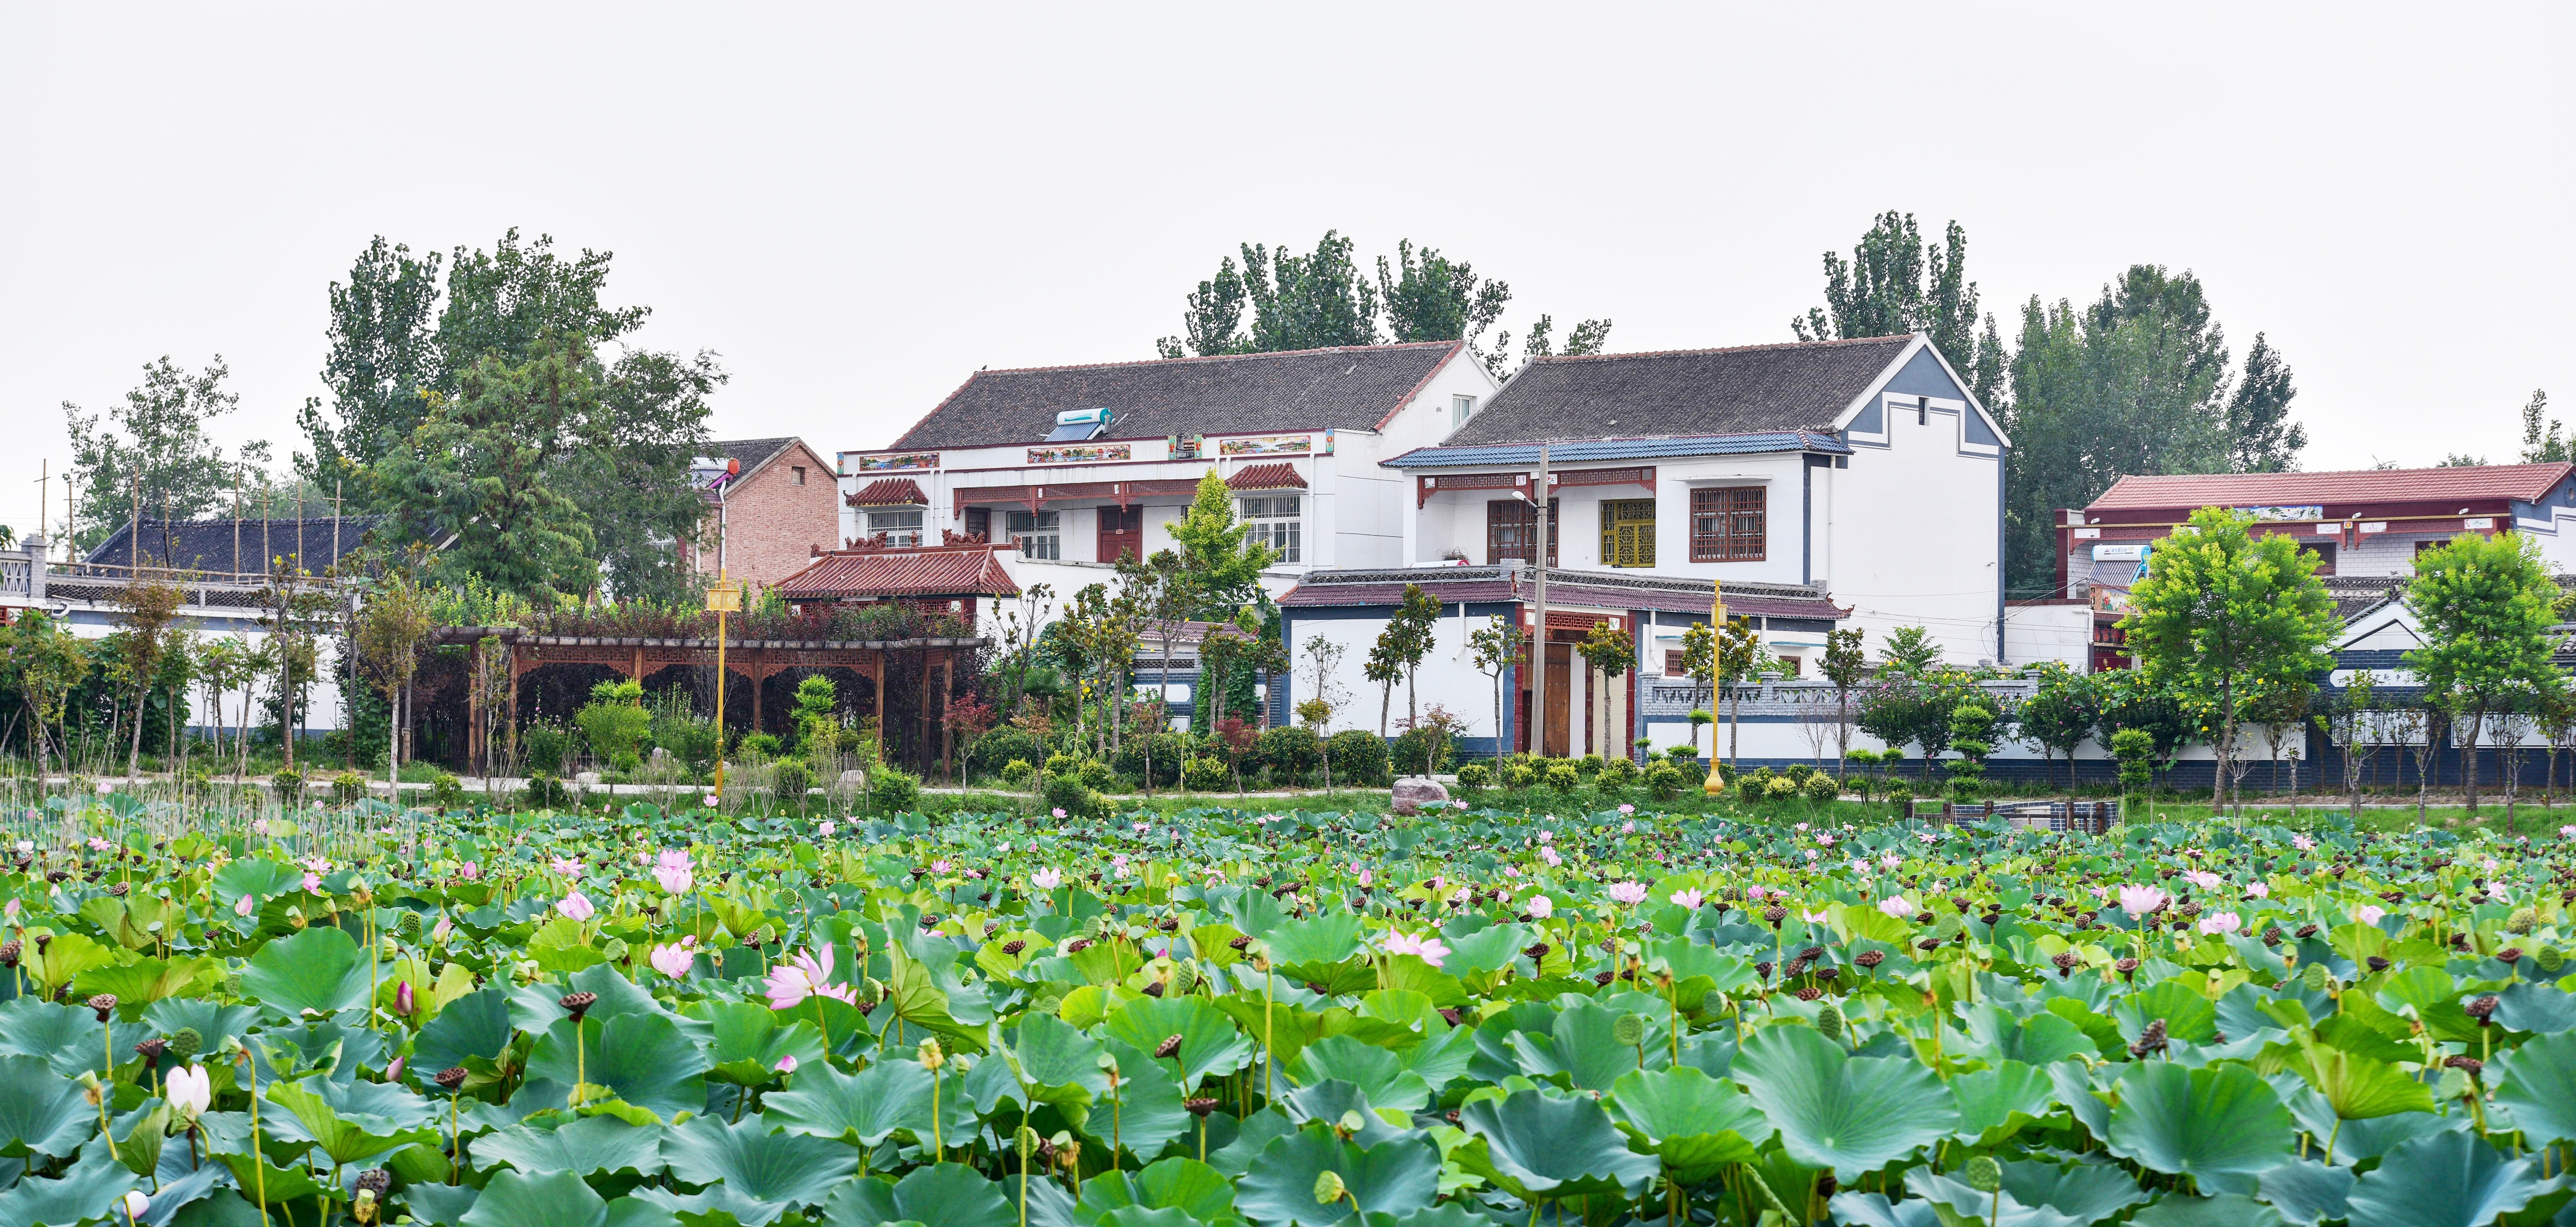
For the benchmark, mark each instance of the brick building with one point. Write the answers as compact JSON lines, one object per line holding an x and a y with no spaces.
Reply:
{"x":780,"y":505}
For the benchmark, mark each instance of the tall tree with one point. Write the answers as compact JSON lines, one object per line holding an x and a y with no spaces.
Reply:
{"x":1436,"y":299}
{"x":2484,"y":606}
{"x":2541,"y":445}
{"x":653,"y":411}
{"x":2223,"y":613}
{"x":155,"y":454}
{"x":393,"y":627}
{"x":1309,"y":301}
{"x":1225,"y":563}
{"x":519,"y":297}
{"x":1896,"y":282}
{"x":383,"y":363}
{"x":2261,"y":438}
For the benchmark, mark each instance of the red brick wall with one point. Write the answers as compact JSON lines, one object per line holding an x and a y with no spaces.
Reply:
{"x":774,"y":525}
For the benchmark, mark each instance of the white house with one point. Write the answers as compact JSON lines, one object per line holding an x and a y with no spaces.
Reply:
{"x":1838,"y":483}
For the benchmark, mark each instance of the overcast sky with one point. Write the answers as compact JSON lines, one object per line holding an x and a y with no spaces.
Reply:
{"x":859,"y":206}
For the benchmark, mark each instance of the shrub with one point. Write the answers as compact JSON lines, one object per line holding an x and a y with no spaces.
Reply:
{"x":1588,"y":766}
{"x":893,"y":790}
{"x":1901,"y":796}
{"x":1096,"y":775}
{"x":684,"y":736}
{"x":1061,"y":763}
{"x":615,"y":719}
{"x":626,"y":762}
{"x":446,"y":792}
{"x":997,"y":748}
{"x":1798,"y":773}
{"x":1617,"y":773}
{"x":287,"y":786}
{"x":1664,"y":781}
{"x":1520,"y":775}
{"x":759,"y":746}
{"x":1206,"y":775}
{"x":348,"y":788}
{"x":1411,"y":751}
{"x":1781,"y":788}
{"x":546,"y":746}
{"x":1017,"y":773}
{"x":1682,"y":753}
{"x":1290,"y":753}
{"x":1757,"y":784}
{"x":789,"y":780}
{"x":1564,"y":777}
{"x":1360,"y":757}
{"x":1170,"y":750}
{"x":1820,"y":788}
{"x":544,"y":791}
{"x":1070,"y":794}
{"x":1474,"y":776}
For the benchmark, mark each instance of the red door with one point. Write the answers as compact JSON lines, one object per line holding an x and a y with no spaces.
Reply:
{"x":1122,"y":532}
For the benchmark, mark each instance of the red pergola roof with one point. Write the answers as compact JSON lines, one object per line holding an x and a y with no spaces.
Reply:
{"x":2186,"y":492}
{"x":890,"y":492}
{"x":1273,"y":475}
{"x":934,"y":571}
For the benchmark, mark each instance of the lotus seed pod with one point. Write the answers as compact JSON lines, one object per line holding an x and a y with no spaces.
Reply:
{"x":1328,"y":1187}
{"x":2521,"y":922}
{"x":409,"y":926}
{"x":2550,"y":958}
{"x":1629,"y":1030}
{"x":1025,"y":1141}
{"x":2314,"y":977}
{"x":1983,"y":1174}
{"x":1830,"y":1021}
{"x":186,"y":1043}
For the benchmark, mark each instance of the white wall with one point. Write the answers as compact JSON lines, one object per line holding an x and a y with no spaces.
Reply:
{"x":324,"y":713}
{"x":1916,"y":535}
{"x":2058,"y":632}
{"x":1448,"y":675}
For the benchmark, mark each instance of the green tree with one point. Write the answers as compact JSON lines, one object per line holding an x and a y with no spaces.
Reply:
{"x":45,"y":662}
{"x":2261,"y":437}
{"x":2223,"y":613}
{"x":2484,"y":606}
{"x":520,"y":299}
{"x":1846,"y":665}
{"x":1224,"y":562}
{"x":2542,"y":445}
{"x":1740,"y":657}
{"x":1436,"y":299}
{"x":1416,"y":625}
{"x":154,"y":454}
{"x":1972,"y":725}
{"x":479,"y":472}
{"x":2134,"y":702}
{"x":146,"y":608}
{"x":2063,"y":711}
{"x":2352,"y":721}
{"x":393,"y":627}
{"x":1496,"y":647}
{"x":1910,"y":650}
{"x":1311,"y":301}
{"x":1897,"y":283}
{"x":382,"y":365}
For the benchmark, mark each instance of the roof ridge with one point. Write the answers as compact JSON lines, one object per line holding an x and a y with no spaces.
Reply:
{"x":1726,"y":349}
{"x":2288,"y":473}
{"x":1274,"y":353}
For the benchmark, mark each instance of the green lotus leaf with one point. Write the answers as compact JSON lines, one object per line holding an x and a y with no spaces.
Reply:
{"x":1580,"y":1045}
{"x":1326,"y":938}
{"x":1540,"y":1147}
{"x":2537,"y":1084}
{"x":349,"y":1121}
{"x":256,"y":876}
{"x":549,"y":1199}
{"x":66,"y":1037}
{"x":2223,"y":1210}
{"x":1391,"y":1178}
{"x":2430,"y":996}
{"x":2359,"y":1087}
{"x":1194,"y":1190}
{"x":1146,"y":1109}
{"x":41,"y":1112}
{"x":2545,"y":1009}
{"x":2085,"y":1192}
{"x":2188,"y":1015}
{"x":1997,"y":1103}
{"x":1963,"y":1204}
{"x":1874,"y":1210}
{"x":582,"y":1146}
{"x":789,"y":1170}
{"x":1694,"y":1123}
{"x":147,"y":980}
{"x":320,"y":969}
{"x":946,"y":1194}
{"x":641,"y":1058}
{"x":214,"y":1022}
{"x":1851,"y":1114}
{"x":751,"y":1041}
{"x":2212,"y":1121}
{"x":1378,"y":1073}
{"x":81,"y":1194}
{"x":2038,"y":1040}
{"x":259,"y":1180}
{"x":1211,"y":1047}
{"x":865,"y":1107}
{"x":2358,"y":1141}
{"x":474,"y":1025}
{"x":2308,"y":1192}
{"x":2446,"y":1180}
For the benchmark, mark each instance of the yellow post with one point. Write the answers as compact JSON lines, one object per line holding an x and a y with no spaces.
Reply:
{"x":1716,"y":782}
{"x":723,"y":597}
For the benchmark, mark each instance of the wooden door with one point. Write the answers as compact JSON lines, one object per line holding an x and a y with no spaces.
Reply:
{"x":1560,"y":677}
{"x":1122,"y":532}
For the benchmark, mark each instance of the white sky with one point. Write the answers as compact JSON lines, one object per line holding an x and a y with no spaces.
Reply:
{"x":859,"y":206}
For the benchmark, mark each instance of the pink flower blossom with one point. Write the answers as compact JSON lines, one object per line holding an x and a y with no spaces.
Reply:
{"x":245,"y":906}
{"x":1626,"y":808}
{"x":2369,"y":913}
{"x":1690,"y":899}
{"x":2303,"y":843}
{"x":1511,"y":871}
{"x":2140,"y":901}
{"x":1627,"y":828}
{"x":1549,"y":855}
{"x":1047,"y":879}
{"x":565,"y":867}
{"x":672,"y":868}
{"x":1428,"y":947}
{"x":1889,"y":862}
{"x":2257,"y":890}
{"x":1547,"y":837}
{"x":1755,"y":892}
{"x":1630,"y":893}
{"x":787,"y":1064}
{"x":802,"y":976}
{"x":1059,"y":811}
{"x":470,"y":871}
{"x":673,"y":961}
{"x":312,"y":884}
{"x":2221,"y":922}
{"x":1540,"y":907}
{"x":1367,"y":878}
{"x":941,"y":866}
{"x":713,"y":800}
{"x":1897,"y":906}
{"x":576,"y":906}
{"x":2567,"y":832}
{"x":2203,"y":879}
{"x":1813,"y":918}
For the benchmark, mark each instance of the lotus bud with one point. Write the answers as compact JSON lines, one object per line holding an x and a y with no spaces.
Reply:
{"x":1329,"y":1187}
{"x":1025,"y":1141}
{"x":931,"y":1057}
{"x":1983,"y":1174}
{"x":1829,"y":1021}
{"x":1351,"y":1121}
{"x":403,"y":999}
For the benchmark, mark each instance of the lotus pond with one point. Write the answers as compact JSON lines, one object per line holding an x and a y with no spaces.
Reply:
{"x":1222,"y":1016}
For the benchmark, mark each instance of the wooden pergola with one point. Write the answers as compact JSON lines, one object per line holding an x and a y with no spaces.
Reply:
{"x":756,"y":660}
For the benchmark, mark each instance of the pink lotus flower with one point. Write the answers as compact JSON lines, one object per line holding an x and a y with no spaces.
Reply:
{"x":787,"y":1064}
{"x":403,"y":999}
{"x":1540,"y":907}
{"x":2369,"y":913}
{"x":1627,"y":828}
{"x":1755,"y":892}
{"x":1428,"y":947}
{"x":2203,"y":879}
{"x":1897,"y":906}
{"x":1047,"y":879}
{"x":565,"y":867}
{"x":1367,"y":878}
{"x":470,"y":871}
{"x":712,"y":800}
{"x":2567,"y":832}
{"x":312,"y":884}
{"x":2221,"y":922}
{"x":1059,"y":812}
{"x":439,"y":934}
{"x":2141,"y":901}
{"x":940,"y":866}
{"x":1689,"y":899}
{"x":1890,"y":861}
{"x":673,"y":961}
{"x":245,"y":906}
{"x":827,"y":827}
{"x":1549,"y":855}
{"x":1813,"y":918}
{"x":2257,"y":890}
{"x":2303,"y":843}
{"x":576,"y":906}
{"x":1626,"y":808}
{"x":1630,"y":893}
{"x":1511,"y":871}
{"x":802,"y":976}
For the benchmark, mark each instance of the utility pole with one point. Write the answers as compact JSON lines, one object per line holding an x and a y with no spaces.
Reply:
{"x":1716,"y":782}
{"x":1538,"y":616}
{"x":724,"y":598}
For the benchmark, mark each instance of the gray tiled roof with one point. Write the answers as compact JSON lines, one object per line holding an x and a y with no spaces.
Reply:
{"x":1745,"y":390}
{"x":1578,"y":451}
{"x":1352,"y":388}
{"x":750,"y":453}
{"x":209,"y":545}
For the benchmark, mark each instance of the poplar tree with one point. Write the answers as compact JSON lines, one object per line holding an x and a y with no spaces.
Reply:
{"x":2484,"y":606}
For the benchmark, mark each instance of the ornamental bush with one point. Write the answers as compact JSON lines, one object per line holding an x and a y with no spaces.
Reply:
{"x":1360,"y":758}
{"x":1207,"y":775}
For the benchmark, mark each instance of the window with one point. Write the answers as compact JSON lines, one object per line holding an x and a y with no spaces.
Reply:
{"x":1788,"y":665}
{"x":979,"y":523}
{"x":1037,"y":535}
{"x":1271,"y":520}
{"x":800,"y":474}
{"x":1628,"y":532}
{"x":1511,"y":528}
{"x":1727,"y":524}
{"x":1673,"y":666}
{"x":902,"y":528}
{"x":2325,"y":551}
{"x":1460,"y":409}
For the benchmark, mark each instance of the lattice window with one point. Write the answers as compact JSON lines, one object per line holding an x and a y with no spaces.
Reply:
{"x":1511,"y":527}
{"x":1628,"y":532}
{"x":1728,"y":524}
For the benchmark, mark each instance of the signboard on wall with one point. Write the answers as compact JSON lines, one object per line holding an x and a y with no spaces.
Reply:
{"x":897,"y":463}
{"x":2282,"y":513}
{"x":1078,"y":453}
{"x":1266,"y":445}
